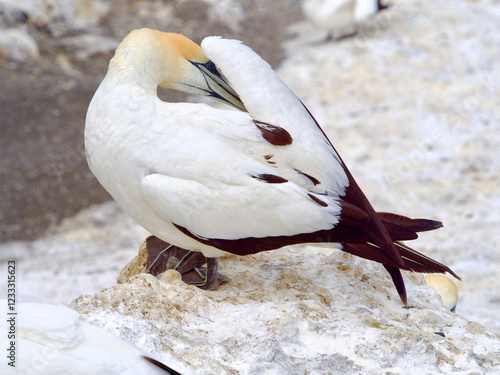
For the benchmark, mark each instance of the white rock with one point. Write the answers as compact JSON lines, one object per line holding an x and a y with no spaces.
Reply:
{"x":18,"y":45}
{"x":82,"y":255}
{"x":287,"y":312}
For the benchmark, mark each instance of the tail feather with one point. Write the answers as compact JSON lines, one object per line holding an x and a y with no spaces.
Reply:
{"x":402,"y":228}
{"x":413,"y":261}
{"x":161,"y":366}
{"x":381,"y":237}
{"x":418,"y":262}
{"x":398,"y":281}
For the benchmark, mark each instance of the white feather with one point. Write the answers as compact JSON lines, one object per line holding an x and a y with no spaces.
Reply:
{"x":269,"y":99}
{"x":339,"y":15}
{"x":231,"y":211}
{"x":53,"y":340}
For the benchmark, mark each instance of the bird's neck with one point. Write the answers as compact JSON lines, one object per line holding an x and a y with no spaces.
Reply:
{"x":134,"y":71}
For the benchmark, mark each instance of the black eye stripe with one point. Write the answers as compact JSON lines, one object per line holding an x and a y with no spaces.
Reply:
{"x":209,"y":65}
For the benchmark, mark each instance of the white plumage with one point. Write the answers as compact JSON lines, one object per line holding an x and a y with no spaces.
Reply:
{"x":268,"y":98}
{"x":340,"y":17}
{"x":222,"y":181}
{"x":53,"y":340}
{"x":193,"y":165}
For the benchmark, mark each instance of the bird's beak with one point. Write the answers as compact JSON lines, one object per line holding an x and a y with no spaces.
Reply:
{"x":218,"y":88}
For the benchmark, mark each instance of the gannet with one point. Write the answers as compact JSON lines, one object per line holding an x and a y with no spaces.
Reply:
{"x":222,"y":181}
{"x":340,"y":17}
{"x":53,"y":340}
{"x":446,"y":289}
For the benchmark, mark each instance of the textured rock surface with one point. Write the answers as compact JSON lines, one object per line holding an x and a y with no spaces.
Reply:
{"x":294,"y":312}
{"x":136,"y":266}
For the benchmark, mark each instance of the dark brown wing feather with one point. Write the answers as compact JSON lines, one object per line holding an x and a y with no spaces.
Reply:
{"x":402,"y":228}
{"x":167,"y":369}
{"x":414,"y":261}
{"x":398,"y":281}
{"x":252,"y":245}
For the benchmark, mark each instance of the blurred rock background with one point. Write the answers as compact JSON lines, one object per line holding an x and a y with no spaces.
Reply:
{"x":53,"y":55}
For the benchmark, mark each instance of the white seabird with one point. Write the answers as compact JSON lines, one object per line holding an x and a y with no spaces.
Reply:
{"x":53,"y":340}
{"x":340,"y":17}
{"x":224,"y":181}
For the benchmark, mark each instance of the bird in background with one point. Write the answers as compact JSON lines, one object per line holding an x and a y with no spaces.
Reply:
{"x":53,"y":340}
{"x":340,"y":18}
{"x":446,"y":289}
{"x":221,"y":181}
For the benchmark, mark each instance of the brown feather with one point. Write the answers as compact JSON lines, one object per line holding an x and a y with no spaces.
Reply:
{"x":398,"y":281}
{"x":352,"y":215}
{"x":275,"y":135}
{"x":270,"y":178}
{"x":414,"y":261}
{"x":164,"y":367}
{"x":314,"y":180}
{"x":416,"y":225}
{"x":317,"y":200}
{"x":402,"y":228}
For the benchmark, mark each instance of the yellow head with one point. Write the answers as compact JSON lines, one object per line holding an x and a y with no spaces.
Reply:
{"x":151,"y":58}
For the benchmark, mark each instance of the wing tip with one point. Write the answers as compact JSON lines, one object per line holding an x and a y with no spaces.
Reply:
{"x":162,"y":366}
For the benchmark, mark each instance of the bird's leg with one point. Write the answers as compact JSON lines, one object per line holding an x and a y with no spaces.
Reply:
{"x":211,"y":278}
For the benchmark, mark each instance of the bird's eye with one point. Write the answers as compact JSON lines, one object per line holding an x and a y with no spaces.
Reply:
{"x":210,"y":66}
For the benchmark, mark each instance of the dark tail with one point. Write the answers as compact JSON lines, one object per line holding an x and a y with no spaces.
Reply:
{"x":167,"y":369}
{"x":402,"y":228}
{"x":413,"y":261}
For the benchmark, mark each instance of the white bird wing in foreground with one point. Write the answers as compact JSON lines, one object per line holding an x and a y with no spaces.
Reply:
{"x":53,"y":340}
